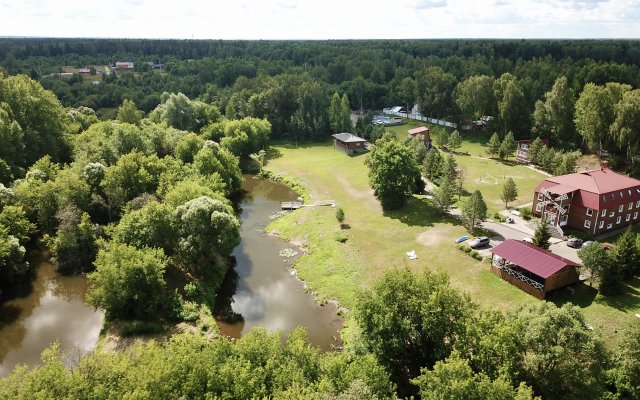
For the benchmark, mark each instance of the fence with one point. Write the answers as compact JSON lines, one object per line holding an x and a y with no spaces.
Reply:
{"x":420,"y":117}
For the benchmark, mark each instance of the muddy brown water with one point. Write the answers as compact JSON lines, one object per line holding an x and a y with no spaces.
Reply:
{"x":260,"y":291}
{"x":54,"y":311}
{"x":265,"y":292}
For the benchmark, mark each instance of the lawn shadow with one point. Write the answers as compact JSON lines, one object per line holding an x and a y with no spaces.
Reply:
{"x":627,"y":300}
{"x":273,"y":153}
{"x":583,"y":297}
{"x":420,"y":212}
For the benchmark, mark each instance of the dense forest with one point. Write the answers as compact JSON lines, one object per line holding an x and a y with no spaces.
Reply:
{"x":131,"y":180}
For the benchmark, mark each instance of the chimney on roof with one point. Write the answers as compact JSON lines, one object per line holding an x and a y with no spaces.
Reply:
{"x":604,"y":164}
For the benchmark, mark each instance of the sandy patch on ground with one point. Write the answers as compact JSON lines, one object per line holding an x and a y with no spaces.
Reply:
{"x":433,"y":236}
{"x":367,"y":194}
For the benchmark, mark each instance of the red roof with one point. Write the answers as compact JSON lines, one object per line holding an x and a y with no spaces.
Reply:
{"x":531,"y":257}
{"x":599,"y":188}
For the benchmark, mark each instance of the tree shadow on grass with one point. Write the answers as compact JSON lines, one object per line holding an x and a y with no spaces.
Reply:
{"x":420,"y":212}
{"x":273,"y":153}
{"x":627,"y":300}
{"x":583,"y":297}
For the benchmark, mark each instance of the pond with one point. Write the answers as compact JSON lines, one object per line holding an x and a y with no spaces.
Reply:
{"x":261,"y":291}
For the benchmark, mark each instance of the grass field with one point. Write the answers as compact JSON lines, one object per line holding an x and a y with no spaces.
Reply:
{"x":378,"y":240}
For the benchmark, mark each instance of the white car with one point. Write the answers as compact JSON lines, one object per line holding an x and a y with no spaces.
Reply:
{"x":527,"y":239}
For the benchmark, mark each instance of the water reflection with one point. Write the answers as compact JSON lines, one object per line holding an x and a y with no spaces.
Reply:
{"x":54,"y":311}
{"x":267,"y":294}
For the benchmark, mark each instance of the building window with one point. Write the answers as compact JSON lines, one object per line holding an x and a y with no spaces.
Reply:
{"x":538,"y":207}
{"x":601,"y":224}
{"x":604,"y":213}
{"x":609,"y":226}
{"x":524,"y":146}
{"x":637,"y":203}
{"x":539,"y":196}
{"x":620,"y":194}
{"x":629,"y":192}
{"x":621,"y":208}
{"x":587,"y":223}
{"x":618,"y":220}
{"x":589,"y":212}
{"x":635,"y":215}
{"x":611,"y":213}
{"x":628,"y":218}
{"x":630,"y":206}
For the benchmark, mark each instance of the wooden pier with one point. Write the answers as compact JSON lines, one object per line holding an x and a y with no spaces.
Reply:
{"x":294,"y":205}
{"x":291,"y":205}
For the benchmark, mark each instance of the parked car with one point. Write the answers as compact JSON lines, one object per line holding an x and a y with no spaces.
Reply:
{"x":527,"y":239}
{"x":575,"y":243}
{"x":588,"y":242}
{"x":481,"y":241}
{"x":462,"y":239}
{"x":509,"y":220}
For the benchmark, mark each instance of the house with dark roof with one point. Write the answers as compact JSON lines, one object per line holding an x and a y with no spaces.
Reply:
{"x":422,"y":131}
{"x":534,"y":270}
{"x":595,"y":201}
{"x":522,"y":152}
{"x":348,"y":143}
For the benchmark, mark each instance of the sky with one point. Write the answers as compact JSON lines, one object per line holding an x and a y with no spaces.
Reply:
{"x":321,"y":19}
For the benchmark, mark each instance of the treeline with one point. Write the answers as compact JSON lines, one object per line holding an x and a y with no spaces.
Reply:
{"x":416,"y":336}
{"x":458,"y":80}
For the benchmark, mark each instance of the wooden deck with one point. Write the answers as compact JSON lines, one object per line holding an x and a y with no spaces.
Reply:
{"x":291,"y":205}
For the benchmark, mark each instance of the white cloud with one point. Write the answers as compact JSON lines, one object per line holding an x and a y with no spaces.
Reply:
{"x":321,"y":19}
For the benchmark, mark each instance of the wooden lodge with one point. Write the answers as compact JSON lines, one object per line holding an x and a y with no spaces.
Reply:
{"x":423,"y":132}
{"x":348,"y":143}
{"x":534,"y":270}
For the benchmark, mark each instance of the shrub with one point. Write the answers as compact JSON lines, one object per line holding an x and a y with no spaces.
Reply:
{"x":340,"y":237}
{"x":525,"y":212}
{"x":128,"y":328}
{"x":340,"y":215}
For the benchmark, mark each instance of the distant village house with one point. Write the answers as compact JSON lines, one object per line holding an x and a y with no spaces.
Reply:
{"x":348,"y":143}
{"x":522,"y":153}
{"x":124,"y":65}
{"x":423,"y":132}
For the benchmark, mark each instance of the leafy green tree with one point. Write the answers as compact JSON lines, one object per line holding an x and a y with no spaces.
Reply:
{"x":627,"y":369}
{"x":260,"y":158}
{"x":474,"y":96}
{"x":626,"y":126}
{"x":494,"y":145}
{"x":345,"y":114}
{"x":443,"y":194}
{"x":455,"y":140}
{"x":509,"y":192}
{"x":434,"y":89}
{"x":406,"y":92}
{"x":625,"y":254}
{"x":14,"y":219}
{"x":13,"y":265}
{"x":187,"y":147}
{"x":474,"y":211}
{"x":432,"y":165}
{"x":310,"y":120}
{"x":507,"y":147}
{"x":151,"y":226}
{"x":535,"y":150}
{"x":334,"y":113}
{"x":128,"y":283}
{"x":409,"y":322}
{"x":178,"y":111}
{"x":595,"y":113}
{"x":512,"y":109}
{"x":392,"y":174}
{"x":561,"y":357}
{"x":554,"y":116}
{"x":542,"y":235}
{"x":418,"y":149}
{"x":245,"y":136}
{"x":74,"y":247}
{"x":212,"y":159}
{"x":594,"y":260}
{"x":129,"y":113}
{"x":454,"y":379}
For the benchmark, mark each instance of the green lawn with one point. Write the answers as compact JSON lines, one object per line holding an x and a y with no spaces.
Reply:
{"x":378,"y":241}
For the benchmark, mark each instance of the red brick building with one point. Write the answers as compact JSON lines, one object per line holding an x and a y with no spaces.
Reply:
{"x":423,"y":132}
{"x":595,"y":201}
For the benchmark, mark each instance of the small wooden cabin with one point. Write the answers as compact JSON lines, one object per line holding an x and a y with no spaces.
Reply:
{"x":421,"y":131}
{"x":534,"y":270}
{"x":348,"y":143}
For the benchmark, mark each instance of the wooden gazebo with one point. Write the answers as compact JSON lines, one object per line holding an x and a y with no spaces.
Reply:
{"x":536,"y":271}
